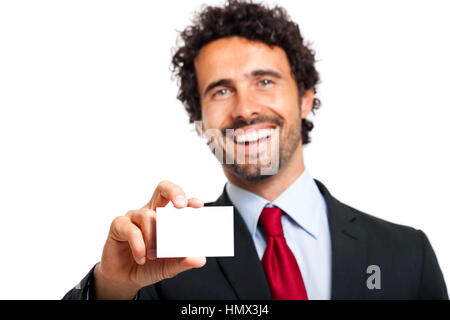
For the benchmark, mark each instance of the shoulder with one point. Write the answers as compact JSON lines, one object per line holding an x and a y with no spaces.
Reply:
{"x":404,"y":253}
{"x":378,"y":229}
{"x":395,"y":246}
{"x":373,"y":229}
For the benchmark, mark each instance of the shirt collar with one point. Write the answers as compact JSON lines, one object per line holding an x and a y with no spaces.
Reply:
{"x":301,"y":201}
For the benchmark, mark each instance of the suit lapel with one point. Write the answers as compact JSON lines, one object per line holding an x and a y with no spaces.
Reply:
{"x":243,"y":271}
{"x":348,"y":250}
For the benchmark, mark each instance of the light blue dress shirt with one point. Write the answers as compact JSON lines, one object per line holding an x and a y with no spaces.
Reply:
{"x":305,"y":227}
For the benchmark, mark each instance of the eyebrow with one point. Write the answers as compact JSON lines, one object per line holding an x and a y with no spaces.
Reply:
{"x":259,"y":73}
{"x":255,"y":73}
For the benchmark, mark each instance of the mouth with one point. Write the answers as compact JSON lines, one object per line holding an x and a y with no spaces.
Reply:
{"x":253,"y":135}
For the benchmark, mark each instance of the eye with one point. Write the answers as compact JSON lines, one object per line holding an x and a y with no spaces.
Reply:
{"x":221,"y":92}
{"x":265,"y":82}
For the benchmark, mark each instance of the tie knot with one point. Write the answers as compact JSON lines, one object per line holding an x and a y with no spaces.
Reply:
{"x":270,"y":221}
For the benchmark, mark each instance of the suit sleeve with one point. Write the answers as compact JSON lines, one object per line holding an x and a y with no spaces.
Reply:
{"x":432,"y":284}
{"x":83,"y":290}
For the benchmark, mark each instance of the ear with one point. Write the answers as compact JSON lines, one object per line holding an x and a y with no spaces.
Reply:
{"x":307,"y":102}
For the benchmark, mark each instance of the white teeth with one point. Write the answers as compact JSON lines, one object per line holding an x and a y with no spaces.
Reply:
{"x":254,"y":135}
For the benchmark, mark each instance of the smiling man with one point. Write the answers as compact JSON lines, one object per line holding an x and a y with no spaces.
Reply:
{"x":246,"y":75}
{"x":248,"y":86}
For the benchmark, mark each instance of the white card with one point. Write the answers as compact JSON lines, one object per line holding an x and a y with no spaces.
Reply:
{"x":194,"y":232}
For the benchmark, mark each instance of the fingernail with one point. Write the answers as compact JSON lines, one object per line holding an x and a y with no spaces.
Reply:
{"x":180,"y":200}
{"x":141,"y":260}
{"x":151,"y":254}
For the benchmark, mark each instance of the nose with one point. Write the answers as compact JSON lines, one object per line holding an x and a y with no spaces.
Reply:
{"x":246,"y":107}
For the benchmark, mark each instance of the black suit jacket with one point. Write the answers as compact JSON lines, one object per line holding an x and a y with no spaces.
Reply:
{"x":408,"y":265}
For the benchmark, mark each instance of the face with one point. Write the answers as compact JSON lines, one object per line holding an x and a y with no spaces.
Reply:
{"x":248,"y":86}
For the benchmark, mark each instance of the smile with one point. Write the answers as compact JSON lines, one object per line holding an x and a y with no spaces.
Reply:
{"x":254,"y":136}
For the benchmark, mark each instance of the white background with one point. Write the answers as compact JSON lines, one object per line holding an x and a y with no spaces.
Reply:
{"x":89,"y":123}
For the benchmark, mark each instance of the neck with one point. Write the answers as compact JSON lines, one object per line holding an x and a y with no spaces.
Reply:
{"x":272,"y":187}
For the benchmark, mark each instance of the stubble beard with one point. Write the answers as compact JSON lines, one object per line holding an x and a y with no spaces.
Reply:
{"x":288,"y":144}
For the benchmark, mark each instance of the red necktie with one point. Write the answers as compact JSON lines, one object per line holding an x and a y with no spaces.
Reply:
{"x":282,"y":271}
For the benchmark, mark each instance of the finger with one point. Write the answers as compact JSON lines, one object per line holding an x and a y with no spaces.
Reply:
{"x":195,"y":203}
{"x":165,"y":192}
{"x":174,"y":266}
{"x":145,"y":219}
{"x":122,"y":229}
{"x":194,"y":262}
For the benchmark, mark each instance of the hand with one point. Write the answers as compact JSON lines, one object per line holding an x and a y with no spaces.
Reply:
{"x":129,"y":256}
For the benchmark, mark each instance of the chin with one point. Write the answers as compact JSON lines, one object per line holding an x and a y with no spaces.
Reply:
{"x":248,"y":173}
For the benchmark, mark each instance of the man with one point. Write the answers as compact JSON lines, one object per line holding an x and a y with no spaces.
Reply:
{"x":245,"y":66}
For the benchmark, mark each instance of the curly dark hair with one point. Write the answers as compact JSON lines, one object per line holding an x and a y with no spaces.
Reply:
{"x":255,"y":22}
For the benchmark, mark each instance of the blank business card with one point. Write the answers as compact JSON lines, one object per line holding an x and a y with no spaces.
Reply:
{"x":194,"y":232}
